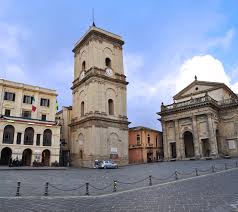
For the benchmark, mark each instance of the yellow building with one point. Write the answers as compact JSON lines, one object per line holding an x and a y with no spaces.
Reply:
{"x":27,"y":124}
{"x":63,"y":118}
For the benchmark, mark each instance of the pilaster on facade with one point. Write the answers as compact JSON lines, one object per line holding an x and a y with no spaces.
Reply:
{"x":213,"y":141}
{"x":177,"y":139}
{"x":197,"y":148}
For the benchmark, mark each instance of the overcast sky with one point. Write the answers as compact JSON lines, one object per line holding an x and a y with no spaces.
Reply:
{"x":166,"y":44}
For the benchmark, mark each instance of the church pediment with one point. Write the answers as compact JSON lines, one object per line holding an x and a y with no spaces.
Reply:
{"x":202,"y":87}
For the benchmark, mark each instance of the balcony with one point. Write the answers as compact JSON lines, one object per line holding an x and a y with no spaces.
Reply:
{"x":205,"y":100}
{"x":135,"y":146}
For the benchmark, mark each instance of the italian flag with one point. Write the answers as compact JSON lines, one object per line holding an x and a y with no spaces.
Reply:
{"x":33,"y":104}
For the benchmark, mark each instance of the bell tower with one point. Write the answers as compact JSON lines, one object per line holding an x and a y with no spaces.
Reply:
{"x":99,"y":126}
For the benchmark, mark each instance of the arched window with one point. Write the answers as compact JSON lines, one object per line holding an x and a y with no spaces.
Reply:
{"x":110,"y":107}
{"x":47,"y":136}
{"x":8,"y":134}
{"x":82,"y":108}
{"x":108,"y":62}
{"x":148,"y":138}
{"x":29,"y":136}
{"x":83,"y":65}
{"x":138,"y":139}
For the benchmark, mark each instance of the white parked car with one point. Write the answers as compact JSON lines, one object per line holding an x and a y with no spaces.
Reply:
{"x":107,"y":164}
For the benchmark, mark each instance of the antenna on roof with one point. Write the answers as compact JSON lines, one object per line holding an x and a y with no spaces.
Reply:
{"x":93,"y":17}
{"x":195,"y":77}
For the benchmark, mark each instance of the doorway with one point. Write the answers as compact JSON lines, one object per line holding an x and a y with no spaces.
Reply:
{"x":26,"y":157}
{"x":46,"y":157}
{"x":6,"y":155}
{"x":205,"y":148}
{"x":149,"y":157}
{"x":188,"y":144}
{"x":173,"y":149}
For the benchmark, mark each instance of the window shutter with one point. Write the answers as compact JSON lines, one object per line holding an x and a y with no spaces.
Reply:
{"x":14,"y":97}
{"x":48,"y":103}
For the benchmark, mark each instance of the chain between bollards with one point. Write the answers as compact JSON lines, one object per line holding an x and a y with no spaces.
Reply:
{"x":46,"y":188}
{"x":87,"y":189}
{"x":114,"y":185}
{"x":176,"y":175}
{"x":18,"y":188}
{"x":150,"y":180}
{"x":196,"y":170}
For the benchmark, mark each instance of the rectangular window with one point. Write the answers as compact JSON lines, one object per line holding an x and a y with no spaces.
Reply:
{"x":38,"y":140}
{"x":27,"y":99}
{"x":9,"y":96}
{"x":18,"y":138}
{"x":7,"y":112}
{"x":26,"y":114}
{"x":44,"y":102}
{"x":43,"y":117}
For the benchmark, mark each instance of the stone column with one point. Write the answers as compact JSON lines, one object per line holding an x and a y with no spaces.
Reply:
{"x":195,"y":138}
{"x":212,"y":136}
{"x":178,"y":143}
{"x":165,"y":142}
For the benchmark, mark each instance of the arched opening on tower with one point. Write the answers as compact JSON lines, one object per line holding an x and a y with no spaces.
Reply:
{"x":83,"y":65}
{"x":110,"y":107}
{"x":82,"y":108}
{"x":108,"y":62}
{"x":188,"y":144}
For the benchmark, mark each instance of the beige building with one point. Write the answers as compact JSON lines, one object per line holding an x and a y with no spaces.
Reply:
{"x":202,"y":122}
{"x":27,"y":124}
{"x":63,"y":118}
{"x":145,"y":145}
{"x":99,"y":126}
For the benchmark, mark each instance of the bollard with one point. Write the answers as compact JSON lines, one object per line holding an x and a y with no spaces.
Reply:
{"x":87,"y":189}
{"x":213,"y":169}
{"x":18,"y":188}
{"x":236,"y":164}
{"x":150,"y":180}
{"x":114,"y":186}
{"x":176,"y":175}
{"x":196,"y":170}
{"x":225,"y":166}
{"x":46,"y":188}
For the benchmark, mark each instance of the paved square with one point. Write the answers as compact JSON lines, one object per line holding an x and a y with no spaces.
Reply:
{"x":214,"y":192}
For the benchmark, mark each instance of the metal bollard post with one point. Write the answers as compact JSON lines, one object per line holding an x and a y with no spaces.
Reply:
{"x":46,"y":188}
{"x":18,"y":188}
{"x":236,"y":164}
{"x":114,"y":185}
{"x":176,"y":175}
{"x":87,"y":189}
{"x":225,"y":166}
{"x":196,"y":170}
{"x":150,"y":180}
{"x":213,"y":169}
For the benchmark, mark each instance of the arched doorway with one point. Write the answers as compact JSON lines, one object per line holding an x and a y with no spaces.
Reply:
{"x":6,"y":154}
{"x":26,"y":157}
{"x":46,"y":157}
{"x":47,"y":136}
{"x":188,"y":144}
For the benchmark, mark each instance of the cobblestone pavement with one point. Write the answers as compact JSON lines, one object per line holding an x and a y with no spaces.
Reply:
{"x":33,"y":181}
{"x":217,"y":192}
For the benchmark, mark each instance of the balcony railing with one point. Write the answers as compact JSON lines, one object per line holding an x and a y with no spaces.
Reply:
{"x":197,"y":101}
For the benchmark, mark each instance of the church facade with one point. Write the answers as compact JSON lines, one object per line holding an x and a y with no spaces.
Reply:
{"x":99,"y":124}
{"x":202,"y":122}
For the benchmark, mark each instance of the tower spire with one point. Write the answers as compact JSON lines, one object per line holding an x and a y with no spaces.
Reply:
{"x":93,"y":17}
